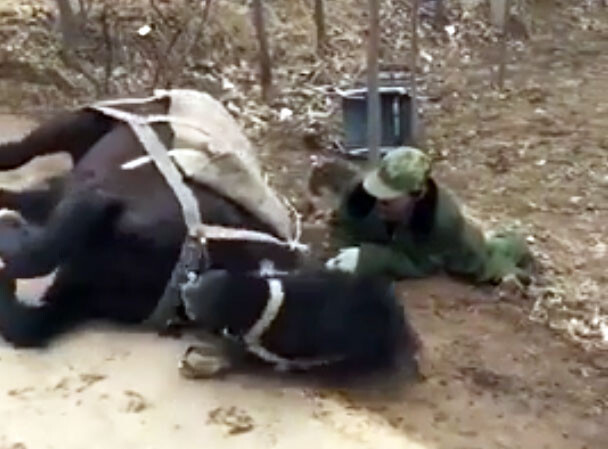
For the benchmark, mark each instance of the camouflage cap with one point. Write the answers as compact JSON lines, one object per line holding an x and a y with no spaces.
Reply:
{"x":401,"y":171}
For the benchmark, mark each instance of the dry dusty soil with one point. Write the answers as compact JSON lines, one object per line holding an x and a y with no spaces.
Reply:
{"x":495,"y":379}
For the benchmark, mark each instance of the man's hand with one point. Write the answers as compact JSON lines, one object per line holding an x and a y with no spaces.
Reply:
{"x":346,"y":260}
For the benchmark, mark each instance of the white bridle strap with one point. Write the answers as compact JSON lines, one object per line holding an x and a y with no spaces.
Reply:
{"x":213,"y":232}
{"x":252,"y":338}
{"x":273,"y":306}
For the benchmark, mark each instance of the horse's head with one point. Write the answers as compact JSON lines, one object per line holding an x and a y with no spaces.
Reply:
{"x":202,"y":299}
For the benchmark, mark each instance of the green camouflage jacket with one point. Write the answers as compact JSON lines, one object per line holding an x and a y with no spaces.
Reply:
{"x":436,"y":238}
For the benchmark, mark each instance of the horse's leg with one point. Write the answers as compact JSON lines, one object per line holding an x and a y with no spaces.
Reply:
{"x":28,"y":326}
{"x":209,"y":358}
{"x":37,"y":204}
{"x":72,"y":132}
{"x":75,"y":219}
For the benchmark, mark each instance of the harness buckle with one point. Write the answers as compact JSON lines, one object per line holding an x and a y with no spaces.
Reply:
{"x":193,"y":259}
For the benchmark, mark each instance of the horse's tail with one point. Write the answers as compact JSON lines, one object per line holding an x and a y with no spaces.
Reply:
{"x":73,"y":132}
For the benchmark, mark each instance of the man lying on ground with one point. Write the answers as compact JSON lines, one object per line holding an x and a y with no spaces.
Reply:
{"x":400,"y":222}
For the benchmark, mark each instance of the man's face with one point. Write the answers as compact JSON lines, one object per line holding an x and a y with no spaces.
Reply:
{"x":397,"y":209}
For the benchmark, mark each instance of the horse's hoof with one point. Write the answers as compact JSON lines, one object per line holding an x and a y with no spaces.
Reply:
{"x":203,"y":362}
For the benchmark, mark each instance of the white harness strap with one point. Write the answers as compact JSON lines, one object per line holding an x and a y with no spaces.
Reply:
{"x":158,"y":95}
{"x":252,"y":338}
{"x":108,"y":105}
{"x":267,"y":269}
{"x":143,"y":160}
{"x":158,"y":152}
{"x":162,"y":158}
{"x":213,"y":232}
{"x":193,"y":247}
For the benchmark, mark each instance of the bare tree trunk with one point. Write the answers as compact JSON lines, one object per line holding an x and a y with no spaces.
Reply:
{"x":373,"y":96}
{"x":503,"y":47}
{"x":320,"y":22}
{"x":439,"y":19}
{"x":265,"y":65}
{"x":84,"y":7}
{"x":413,"y":70}
{"x":68,"y":22}
{"x":206,"y":10}
{"x":109,"y":47}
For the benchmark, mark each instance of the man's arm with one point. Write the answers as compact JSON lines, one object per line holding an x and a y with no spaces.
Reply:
{"x":387,"y":260}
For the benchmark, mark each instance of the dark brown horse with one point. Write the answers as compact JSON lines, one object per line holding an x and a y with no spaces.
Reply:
{"x":113,"y":236}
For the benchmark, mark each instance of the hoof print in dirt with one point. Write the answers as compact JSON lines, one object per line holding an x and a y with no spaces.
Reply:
{"x":234,"y":420}
{"x":136,"y":403}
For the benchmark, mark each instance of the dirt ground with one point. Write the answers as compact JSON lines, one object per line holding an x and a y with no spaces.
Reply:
{"x":503,"y":371}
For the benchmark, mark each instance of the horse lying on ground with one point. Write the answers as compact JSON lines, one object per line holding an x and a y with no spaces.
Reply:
{"x":112,"y":230}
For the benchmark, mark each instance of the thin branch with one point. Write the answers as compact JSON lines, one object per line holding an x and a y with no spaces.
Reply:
{"x":206,"y":10}
{"x":413,"y":70}
{"x":69,"y":25}
{"x":320,"y":22}
{"x":84,"y":7}
{"x":158,"y":11}
{"x":72,"y":62}
{"x":189,"y":46}
{"x":109,"y":47}
{"x":373,"y":97}
{"x":503,"y":47}
{"x":264,"y":55}
{"x":163,"y":59}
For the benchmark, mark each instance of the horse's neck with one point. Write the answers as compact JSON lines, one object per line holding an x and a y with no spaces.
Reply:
{"x":243,"y":303}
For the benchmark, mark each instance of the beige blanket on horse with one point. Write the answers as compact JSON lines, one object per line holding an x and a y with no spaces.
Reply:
{"x":209,"y":147}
